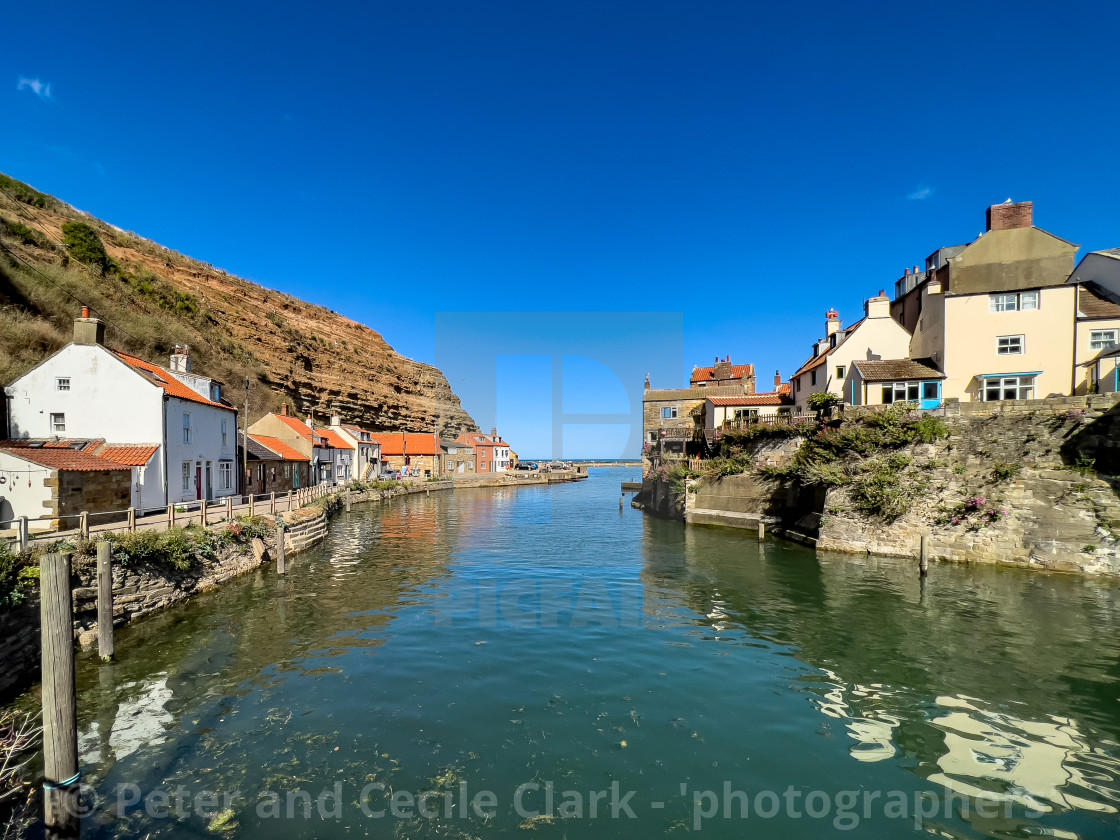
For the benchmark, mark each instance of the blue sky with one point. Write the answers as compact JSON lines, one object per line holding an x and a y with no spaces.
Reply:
{"x":745,"y":166}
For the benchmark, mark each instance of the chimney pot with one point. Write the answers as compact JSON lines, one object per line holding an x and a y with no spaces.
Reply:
{"x":907,"y":274}
{"x":85,"y":311}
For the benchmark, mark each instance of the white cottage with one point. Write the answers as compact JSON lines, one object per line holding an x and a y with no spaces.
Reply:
{"x":171,"y":426}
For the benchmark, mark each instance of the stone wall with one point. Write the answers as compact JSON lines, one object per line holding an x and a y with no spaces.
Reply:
{"x":73,"y":492}
{"x":1049,"y":468}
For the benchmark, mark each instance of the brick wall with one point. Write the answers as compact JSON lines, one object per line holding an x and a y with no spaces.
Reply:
{"x":1009,"y":216}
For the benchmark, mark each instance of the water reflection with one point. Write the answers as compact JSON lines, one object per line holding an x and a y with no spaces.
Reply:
{"x":903,"y":668}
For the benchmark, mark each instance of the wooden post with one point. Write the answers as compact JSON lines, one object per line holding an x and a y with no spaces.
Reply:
{"x":229,"y":508}
{"x":83,"y":524}
{"x":621,"y":501}
{"x":104,"y":601}
{"x":132,"y":520}
{"x":203,"y":512}
{"x":24,"y":535}
{"x":60,"y":719}
{"x":761,"y":530}
{"x":923,"y":556}
{"x":252,"y":506}
{"x":281,"y":549}
{"x":171,"y":516}
{"x":272,"y":503}
{"x":347,"y":501}
{"x":289,"y":500}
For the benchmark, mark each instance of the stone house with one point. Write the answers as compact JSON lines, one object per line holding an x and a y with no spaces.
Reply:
{"x":996,"y":315}
{"x":274,"y":467}
{"x":723,"y":374}
{"x":492,"y":454}
{"x":876,"y":336}
{"x":458,"y":459}
{"x":415,"y":454}
{"x":54,"y":480}
{"x":181,"y":419}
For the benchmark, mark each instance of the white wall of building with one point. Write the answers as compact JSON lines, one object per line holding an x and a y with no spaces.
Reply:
{"x":23,"y":493}
{"x":105,"y":398}
{"x":207,"y":449}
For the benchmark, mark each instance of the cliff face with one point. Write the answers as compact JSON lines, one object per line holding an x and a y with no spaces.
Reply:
{"x":1032,"y":484}
{"x":153,"y":298}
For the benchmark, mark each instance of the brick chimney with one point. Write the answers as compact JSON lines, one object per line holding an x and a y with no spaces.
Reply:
{"x":88,"y":330}
{"x":494,"y":434}
{"x":284,"y":410}
{"x":777,"y":379}
{"x":1008,"y":216}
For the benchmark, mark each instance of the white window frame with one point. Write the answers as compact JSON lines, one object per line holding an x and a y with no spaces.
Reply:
{"x":1030,"y":301}
{"x":902,"y":391}
{"x":746,"y":414}
{"x":1009,"y":388}
{"x":188,"y":474}
{"x":58,"y":423}
{"x":669,"y":412}
{"x":841,"y":371}
{"x":225,"y":474}
{"x":62,"y":383}
{"x":225,"y":433}
{"x":1011,"y":345}
{"x":186,"y":428}
{"x":1102,"y":339}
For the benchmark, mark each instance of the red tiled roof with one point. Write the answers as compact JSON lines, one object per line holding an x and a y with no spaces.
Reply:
{"x":129,"y":454}
{"x":303,"y":430}
{"x":419,"y":443}
{"x":280,"y":448}
{"x":67,"y":460}
{"x":163,"y":378}
{"x":707,"y":374}
{"x":334,"y":439}
{"x":753,"y":399}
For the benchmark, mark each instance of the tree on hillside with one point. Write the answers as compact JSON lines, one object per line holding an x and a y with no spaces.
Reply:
{"x":85,"y":245}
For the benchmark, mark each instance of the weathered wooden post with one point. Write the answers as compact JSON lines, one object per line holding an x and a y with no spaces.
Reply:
{"x":289,"y":500}
{"x":252,"y":505}
{"x":24,"y":535}
{"x":923,"y":556}
{"x":60,"y":719}
{"x":761,"y":530}
{"x":281,"y":549}
{"x":105,"y":601}
{"x":132,"y":520}
{"x":83,"y":524}
{"x":272,"y":503}
{"x":229,"y":508}
{"x":203,"y":512}
{"x":171,"y":516}
{"x":348,"y":500}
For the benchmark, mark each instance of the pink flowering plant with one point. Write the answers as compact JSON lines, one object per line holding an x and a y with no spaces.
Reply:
{"x":974,"y":513}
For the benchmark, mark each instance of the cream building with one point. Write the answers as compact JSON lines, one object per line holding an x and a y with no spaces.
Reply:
{"x":1097,"y":278}
{"x":997,"y":316}
{"x":875,"y":337}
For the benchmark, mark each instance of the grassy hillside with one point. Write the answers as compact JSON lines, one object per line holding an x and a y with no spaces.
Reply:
{"x":53,"y":258}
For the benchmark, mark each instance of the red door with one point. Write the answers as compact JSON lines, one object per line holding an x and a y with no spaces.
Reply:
{"x":198,"y":482}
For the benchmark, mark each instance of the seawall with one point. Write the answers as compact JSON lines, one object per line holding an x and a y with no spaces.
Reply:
{"x":1033,"y":483}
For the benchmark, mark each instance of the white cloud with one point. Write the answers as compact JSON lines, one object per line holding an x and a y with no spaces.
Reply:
{"x":36,"y":86}
{"x":920,"y":194}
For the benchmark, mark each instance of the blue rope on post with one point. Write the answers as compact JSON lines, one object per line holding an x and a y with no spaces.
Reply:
{"x":69,"y":783}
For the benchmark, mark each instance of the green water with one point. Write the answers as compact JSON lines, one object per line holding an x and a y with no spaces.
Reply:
{"x":488,"y":639}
